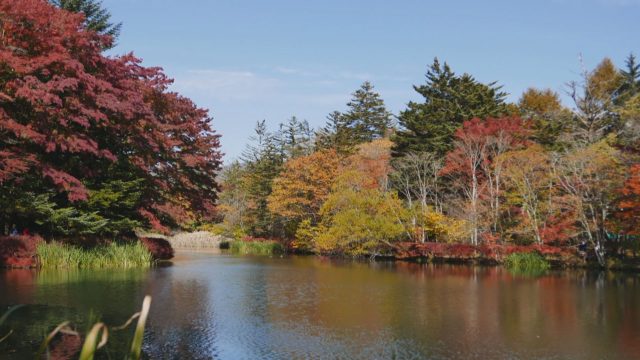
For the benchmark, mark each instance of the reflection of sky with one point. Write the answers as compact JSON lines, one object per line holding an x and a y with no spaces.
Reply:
{"x":245,"y":308}
{"x":252,"y":60}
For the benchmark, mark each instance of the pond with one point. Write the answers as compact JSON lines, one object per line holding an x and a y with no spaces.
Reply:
{"x":221,"y":306}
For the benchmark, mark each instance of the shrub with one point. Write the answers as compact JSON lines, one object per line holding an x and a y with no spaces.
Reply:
{"x":159,"y":248}
{"x":259,"y":247}
{"x":18,"y":251}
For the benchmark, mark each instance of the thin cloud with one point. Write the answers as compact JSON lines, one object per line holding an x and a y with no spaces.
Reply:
{"x":225,"y":85}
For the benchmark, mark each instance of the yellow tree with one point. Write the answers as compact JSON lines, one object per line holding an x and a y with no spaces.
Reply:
{"x":529,"y":182}
{"x":358,"y":220}
{"x":591,"y":177}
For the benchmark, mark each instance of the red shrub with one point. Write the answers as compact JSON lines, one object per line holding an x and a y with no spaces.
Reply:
{"x":490,"y":251}
{"x":461,"y":251}
{"x":18,"y":251}
{"x":159,"y":248}
{"x":437,"y":250}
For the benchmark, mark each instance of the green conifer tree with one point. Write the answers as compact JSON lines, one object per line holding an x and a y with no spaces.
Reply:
{"x":449,"y":100}
{"x":97,"y":18}
{"x":366,"y":119}
{"x":631,"y":80}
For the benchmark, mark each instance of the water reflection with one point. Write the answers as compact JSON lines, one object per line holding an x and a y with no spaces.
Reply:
{"x":208,"y":306}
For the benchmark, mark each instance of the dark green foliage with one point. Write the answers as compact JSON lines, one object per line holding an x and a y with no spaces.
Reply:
{"x":295,"y":138}
{"x":97,"y":18}
{"x":333,"y":135}
{"x":449,"y":100}
{"x":631,"y":80}
{"x":250,"y":183}
{"x":110,"y":210}
{"x":366,"y":119}
{"x":117,"y":201}
{"x":263,"y":161}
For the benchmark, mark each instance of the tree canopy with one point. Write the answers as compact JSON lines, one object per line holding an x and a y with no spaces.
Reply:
{"x":102,"y":135}
{"x":96,"y":17}
{"x":366,"y":119}
{"x":449,"y":100}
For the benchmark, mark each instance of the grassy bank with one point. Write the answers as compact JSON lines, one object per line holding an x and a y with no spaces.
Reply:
{"x":56,"y":256}
{"x":255,"y":247}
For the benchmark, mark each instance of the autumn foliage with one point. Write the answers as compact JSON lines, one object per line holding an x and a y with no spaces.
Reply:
{"x":630,"y":202}
{"x":304,"y":185}
{"x":18,"y":251}
{"x":73,"y":120}
{"x":159,"y":248}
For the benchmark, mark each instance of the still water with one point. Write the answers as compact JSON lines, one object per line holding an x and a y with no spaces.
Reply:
{"x":220,"y":306}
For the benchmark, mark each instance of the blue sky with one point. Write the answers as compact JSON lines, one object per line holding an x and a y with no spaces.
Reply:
{"x":251,"y":60}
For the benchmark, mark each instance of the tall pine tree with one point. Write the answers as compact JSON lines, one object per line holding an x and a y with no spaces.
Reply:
{"x":366,"y":119}
{"x":449,"y":100}
{"x":631,"y":80}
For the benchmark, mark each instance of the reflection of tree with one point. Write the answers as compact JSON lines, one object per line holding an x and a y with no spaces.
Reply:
{"x":259,"y":307}
{"x":180,"y":322}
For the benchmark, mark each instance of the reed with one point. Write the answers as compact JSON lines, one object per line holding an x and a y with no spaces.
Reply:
{"x":526,"y":263}
{"x":196,"y":240}
{"x":56,"y":256}
{"x":256,"y":247}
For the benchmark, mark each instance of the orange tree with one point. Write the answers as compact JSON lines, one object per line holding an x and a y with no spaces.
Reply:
{"x":302,"y":187}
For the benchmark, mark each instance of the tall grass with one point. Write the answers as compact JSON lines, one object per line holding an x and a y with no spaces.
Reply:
{"x":526,"y":263}
{"x":256,"y":247}
{"x":56,"y":256}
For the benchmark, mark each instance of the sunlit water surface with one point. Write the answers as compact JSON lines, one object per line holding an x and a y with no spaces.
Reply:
{"x":219,"y":306}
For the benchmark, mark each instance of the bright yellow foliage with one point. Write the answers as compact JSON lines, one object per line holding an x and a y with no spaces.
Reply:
{"x":359,"y":221}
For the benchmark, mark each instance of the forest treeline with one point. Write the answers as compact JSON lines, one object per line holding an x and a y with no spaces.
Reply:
{"x":96,"y":146}
{"x":462,"y":165}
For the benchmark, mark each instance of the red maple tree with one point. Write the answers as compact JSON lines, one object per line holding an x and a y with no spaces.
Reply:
{"x":71,"y":116}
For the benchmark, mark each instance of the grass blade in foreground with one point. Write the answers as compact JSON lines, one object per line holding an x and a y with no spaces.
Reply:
{"x":91,"y":342}
{"x":4,"y":318}
{"x":136,"y":345}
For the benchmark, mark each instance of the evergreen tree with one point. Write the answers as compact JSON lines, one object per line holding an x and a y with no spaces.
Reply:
{"x":264,"y":159}
{"x":334,"y":135}
{"x":97,"y":18}
{"x":631,"y":80}
{"x":366,"y":119}
{"x":295,"y":138}
{"x":449,"y":100}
